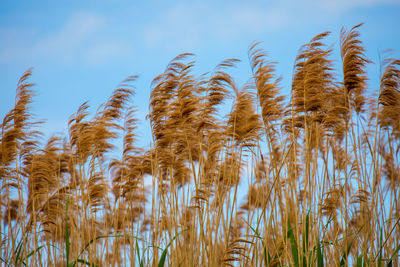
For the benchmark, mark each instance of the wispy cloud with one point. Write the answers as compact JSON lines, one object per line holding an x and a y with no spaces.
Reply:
{"x":178,"y":24}
{"x":13,"y":43}
{"x":190,"y":25}
{"x":87,"y":37}
{"x":107,"y":51}
{"x":193,"y":24}
{"x":79,"y":39}
{"x":243,"y":19}
{"x":66,"y":43}
{"x":340,"y":6}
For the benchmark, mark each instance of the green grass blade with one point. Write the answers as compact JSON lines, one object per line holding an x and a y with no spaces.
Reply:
{"x":359,"y":261}
{"x":344,"y":257}
{"x":320,"y":258}
{"x":346,"y":253}
{"x":141,"y":264}
{"x":393,"y":255}
{"x":164,"y":253}
{"x":267,"y":257}
{"x":254,"y":230}
{"x":19,"y":249}
{"x":31,"y":253}
{"x":163,"y":256}
{"x":5,"y":262}
{"x":380,"y":249}
{"x":293,"y":245}
{"x":97,"y":238}
{"x":305,"y":240}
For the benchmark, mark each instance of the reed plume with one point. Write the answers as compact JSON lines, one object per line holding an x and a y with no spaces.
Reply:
{"x":265,"y":182}
{"x":354,"y":64}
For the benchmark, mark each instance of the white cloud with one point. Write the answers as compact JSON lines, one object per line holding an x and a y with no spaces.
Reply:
{"x":108,"y":51}
{"x":242,"y":19}
{"x":308,"y":10}
{"x":62,"y":45}
{"x":340,"y":6}
{"x":179,"y":24}
{"x":191,"y":24}
{"x":13,"y":43}
{"x":66,"y":43}
{"x":184,"y":25}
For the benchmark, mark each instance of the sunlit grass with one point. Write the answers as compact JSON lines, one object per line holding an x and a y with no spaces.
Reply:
{"x":319,"y":170}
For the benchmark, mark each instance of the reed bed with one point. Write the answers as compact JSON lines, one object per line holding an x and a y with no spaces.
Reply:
{"x":309,"y":179}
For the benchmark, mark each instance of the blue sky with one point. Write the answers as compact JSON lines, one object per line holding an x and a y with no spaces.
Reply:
{"x":81,"y":50}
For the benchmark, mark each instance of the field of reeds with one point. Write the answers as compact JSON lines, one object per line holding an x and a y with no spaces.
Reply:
{"x":309,"y":179}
